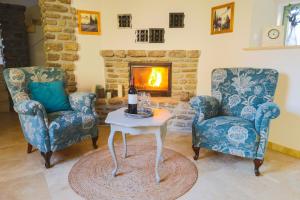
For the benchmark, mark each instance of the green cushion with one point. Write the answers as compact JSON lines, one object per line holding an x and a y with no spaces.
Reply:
{"x":51,"y":95}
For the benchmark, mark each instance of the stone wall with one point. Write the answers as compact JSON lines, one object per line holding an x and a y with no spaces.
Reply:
{"x":15,"y":40}
{"x":182,"y":111}
{"x":59,"y":23}
{"x":184,"y":67}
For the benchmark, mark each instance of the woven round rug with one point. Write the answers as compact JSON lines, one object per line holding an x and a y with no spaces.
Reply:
{"x":91,"y":176}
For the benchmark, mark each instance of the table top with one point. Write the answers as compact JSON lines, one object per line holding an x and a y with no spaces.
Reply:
{"x":160,"y":117}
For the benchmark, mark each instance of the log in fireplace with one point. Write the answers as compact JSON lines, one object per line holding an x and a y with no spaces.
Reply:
{"x":155,"y":78}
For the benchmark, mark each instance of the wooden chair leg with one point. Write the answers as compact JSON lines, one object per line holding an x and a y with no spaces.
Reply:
{"x":95,"y":139}
{"x":196,"y":150}
{"x":29,"y":148}
{"x":47,"y":157}
{"x":257,"y":164}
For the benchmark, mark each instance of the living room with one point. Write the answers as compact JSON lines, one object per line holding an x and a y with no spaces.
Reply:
{"x":149,"y":100}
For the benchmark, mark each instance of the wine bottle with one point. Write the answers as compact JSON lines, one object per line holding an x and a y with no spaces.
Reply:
{"x":132,"y":98}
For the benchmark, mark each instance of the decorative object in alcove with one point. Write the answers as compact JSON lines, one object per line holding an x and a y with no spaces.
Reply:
{"x":142,"y":35}
{"x":156,"y":35}
{"x":89,"y":22}
{"x":273,"y":36}
{"x":124,"y":20}
{"x":222,"y":18}
{"x":176,"y":20}
{"x":291,"y":22}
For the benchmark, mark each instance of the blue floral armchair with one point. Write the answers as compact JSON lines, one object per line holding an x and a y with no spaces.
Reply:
{"x":235,"y":119}
{"x":50,"y":132}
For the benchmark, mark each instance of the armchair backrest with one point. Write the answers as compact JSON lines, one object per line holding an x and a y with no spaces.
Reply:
{"x":17,"y":79}
{"x":241,"y":90}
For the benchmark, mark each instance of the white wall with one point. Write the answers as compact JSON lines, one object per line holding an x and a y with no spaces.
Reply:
{"x":224,"y":50}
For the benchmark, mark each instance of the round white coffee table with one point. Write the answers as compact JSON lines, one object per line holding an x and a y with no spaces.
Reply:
{"x":156,"y":125}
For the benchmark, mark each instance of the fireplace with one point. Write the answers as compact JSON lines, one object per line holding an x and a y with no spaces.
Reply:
{"x":155,"y":78}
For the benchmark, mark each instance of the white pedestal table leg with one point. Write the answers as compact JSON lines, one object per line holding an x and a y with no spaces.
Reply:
{"x":112,"y":150}
{"x":124,"y":145}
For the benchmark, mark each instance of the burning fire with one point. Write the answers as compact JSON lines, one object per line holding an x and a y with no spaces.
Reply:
{"x":155,"y":78}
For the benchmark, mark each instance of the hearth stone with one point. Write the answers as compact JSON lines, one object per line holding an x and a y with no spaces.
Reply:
{"x":182,"y":111}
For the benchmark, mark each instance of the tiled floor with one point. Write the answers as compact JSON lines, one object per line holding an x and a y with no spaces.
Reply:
{"x":22,"y":176}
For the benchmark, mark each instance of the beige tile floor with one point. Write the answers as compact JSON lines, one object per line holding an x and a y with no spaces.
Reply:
{"x":22,"y":176}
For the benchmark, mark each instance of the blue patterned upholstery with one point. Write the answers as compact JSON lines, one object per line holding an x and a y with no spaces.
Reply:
{"x":50,"y":131}
{"x":235,"y":119}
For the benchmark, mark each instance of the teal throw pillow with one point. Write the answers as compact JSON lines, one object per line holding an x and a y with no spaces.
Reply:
{"x":51,"y":95}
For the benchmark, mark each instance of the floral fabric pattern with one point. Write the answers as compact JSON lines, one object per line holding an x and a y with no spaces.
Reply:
{"x":238,"y":123}
{"x":55,"y":131}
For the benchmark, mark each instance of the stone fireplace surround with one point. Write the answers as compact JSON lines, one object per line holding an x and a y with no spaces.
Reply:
{"x":184,"y":79}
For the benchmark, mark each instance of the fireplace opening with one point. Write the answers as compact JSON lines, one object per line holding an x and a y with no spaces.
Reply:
{"x":154,"y":78}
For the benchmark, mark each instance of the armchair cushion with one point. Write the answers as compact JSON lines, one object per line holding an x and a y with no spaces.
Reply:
{"x":229,"y":134}
{"x":69,"y":127}
{"x":50,"y":94}
{"x":205,"y":106}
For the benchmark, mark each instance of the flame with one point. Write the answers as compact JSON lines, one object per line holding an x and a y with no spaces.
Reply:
{"x":155,"y":78}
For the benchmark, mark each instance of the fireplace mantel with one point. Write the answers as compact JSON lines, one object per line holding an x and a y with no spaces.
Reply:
{"x":184,"y":67}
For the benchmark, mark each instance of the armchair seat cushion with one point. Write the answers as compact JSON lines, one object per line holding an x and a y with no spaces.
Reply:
{"x":69,"y":127}
{"x":229,"y":134}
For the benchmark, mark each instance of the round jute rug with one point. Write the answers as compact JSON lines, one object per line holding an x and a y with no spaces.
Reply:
{"x":91,"y":176}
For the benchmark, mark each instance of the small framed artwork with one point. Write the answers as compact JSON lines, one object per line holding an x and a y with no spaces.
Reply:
{"x":176,"y":20}
{"x":124,"y":20}
{"x":222,"y":18}
{"x":156,"y":35}
{"x":291,"y":23}
{"x":141,"y":35}
{"x":89,"y":22}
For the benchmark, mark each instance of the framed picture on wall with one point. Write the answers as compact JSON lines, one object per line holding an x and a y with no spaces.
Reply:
{"x":291,"y":23}
{"x":222,"y":18}
{"x":89,"y":22}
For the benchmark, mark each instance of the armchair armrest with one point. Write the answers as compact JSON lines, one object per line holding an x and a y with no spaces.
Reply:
{"x":83,"y":102}
{"x":34,"y":121}
{"x":29,"y":107}
{"x":264,"y":114}
{"x":205,"y":106}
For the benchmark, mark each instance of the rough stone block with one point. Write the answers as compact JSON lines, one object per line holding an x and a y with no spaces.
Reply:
{"x":157,"y":53}
{"x":53,"y":57}
{"x":69,"y":56}
{"x":188,"y":70}
{"x":50,"y":36}
{"x":49,"y":64}
{"x":71,"y":46}
{"x":50,"y":28}
{"x":69,"y":30}
{"x":52,"y":15}
{"x":65,"y":1}
{"x":54,"y":46}
{"x":177,"y":53}
{"x":55,"y":7}
{"x":115,"y":101}
{"x":120,"y":53}
{"x":137,"y":53}
{"x":61,"y":22}
{"x":51,"y":22}
{"x":193,"y":54}
{"x":68,"y":66}
{"x":64,"y":36}
{"x":107,"y":53}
